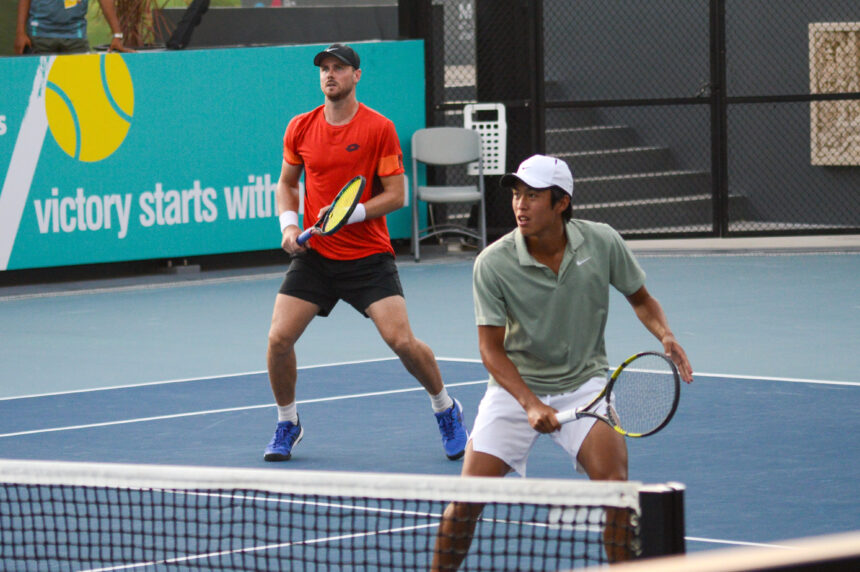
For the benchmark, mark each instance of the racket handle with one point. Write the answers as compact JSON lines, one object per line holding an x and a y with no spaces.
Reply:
{"x":304,"y":236}
{"x":566,"y":416}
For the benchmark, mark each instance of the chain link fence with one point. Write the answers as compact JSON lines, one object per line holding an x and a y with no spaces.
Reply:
{"x":677,"y":117}
{"x":624,"y":107}
{"x":793,"y":154}
{"x":451,"y":84}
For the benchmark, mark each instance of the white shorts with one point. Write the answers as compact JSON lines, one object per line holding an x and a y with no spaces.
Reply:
{"x":502,"y":427}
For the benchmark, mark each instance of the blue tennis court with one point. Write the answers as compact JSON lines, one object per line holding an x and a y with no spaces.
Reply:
{"x":168,"y":372}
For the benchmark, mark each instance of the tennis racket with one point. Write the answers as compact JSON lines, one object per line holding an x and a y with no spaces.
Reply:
{"x":339,"y":211}
{"x":642,"y":395}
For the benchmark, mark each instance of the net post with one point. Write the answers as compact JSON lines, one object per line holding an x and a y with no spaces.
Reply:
{"x":662,"y":522}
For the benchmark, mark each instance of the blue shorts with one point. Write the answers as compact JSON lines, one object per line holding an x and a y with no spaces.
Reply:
{"x":323,"y":281}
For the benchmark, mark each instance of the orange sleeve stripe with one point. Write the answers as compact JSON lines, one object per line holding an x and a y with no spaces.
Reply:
{"x":292,"y":158}
{"x":390,"y":165}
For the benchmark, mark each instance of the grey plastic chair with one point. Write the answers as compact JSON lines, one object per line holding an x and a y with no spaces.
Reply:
{"x":447,"y":146}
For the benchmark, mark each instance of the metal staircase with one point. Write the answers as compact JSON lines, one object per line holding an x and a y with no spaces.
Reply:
{"x":636,"y":188}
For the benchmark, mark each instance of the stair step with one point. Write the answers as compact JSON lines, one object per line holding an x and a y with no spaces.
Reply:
{"x":670,"y":214}
{"x":627,"y":160}
{"x":591,"y":138}
{"x":573,"y":117}
{"x":688,"y":228}
{"x":640,"y":186}
{"x":649,"y":213}
{"x":642,"y":202}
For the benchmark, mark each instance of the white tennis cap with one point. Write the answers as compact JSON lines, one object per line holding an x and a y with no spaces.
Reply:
{"x":542,"y":172}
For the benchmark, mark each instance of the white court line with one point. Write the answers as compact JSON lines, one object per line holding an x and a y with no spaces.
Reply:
{"x":783,"y":379}
{"x":738,"y":543}
{"x":149,"y":286}
{"x":188,"y":379}
{"x":336,"y":398}
{"x":358,"y":534}
{"x":835,"y":250}
{"x":262,"y":498}
{"x":323,"y":399}
{"x":310,"y":541}
{"x":372,"y":360}
{"x":129,"y":386}
{"x":227,"y":410}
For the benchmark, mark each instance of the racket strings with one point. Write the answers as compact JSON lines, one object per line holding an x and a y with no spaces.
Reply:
{"x":643,"y":396}
{"x":342,"y":206}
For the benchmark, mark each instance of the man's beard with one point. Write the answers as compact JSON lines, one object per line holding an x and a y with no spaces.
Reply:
{"x":340,"y":95}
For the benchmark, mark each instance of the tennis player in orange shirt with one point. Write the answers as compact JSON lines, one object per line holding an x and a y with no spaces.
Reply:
{"x":332,"y":144}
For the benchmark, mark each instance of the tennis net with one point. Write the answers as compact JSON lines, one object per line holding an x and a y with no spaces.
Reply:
{"x":85,"y":516}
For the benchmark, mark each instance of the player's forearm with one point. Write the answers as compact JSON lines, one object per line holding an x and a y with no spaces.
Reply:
{"x":23,"y":16}
{"x":651,"y":314}
{"x":380,"y":206}
{"x":506,"y":374}
{"x":109,"y":11}
{"x":389,"y":200}
{"x":287,"y":197}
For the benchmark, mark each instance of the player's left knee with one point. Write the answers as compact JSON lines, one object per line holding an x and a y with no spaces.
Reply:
{"x":605,"y":467}
{"x":401,"y":343}
{"x":613,"y":472}
{"x":619,"y":474}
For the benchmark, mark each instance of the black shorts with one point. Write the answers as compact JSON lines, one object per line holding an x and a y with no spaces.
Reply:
{"x":42,"y":45}
{"x":323,"y":281}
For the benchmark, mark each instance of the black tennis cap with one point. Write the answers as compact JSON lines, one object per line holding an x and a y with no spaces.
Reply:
{"x":344,"y":53}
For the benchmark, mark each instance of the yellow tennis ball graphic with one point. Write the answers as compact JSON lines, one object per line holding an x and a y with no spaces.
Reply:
{"x":89,"y":103}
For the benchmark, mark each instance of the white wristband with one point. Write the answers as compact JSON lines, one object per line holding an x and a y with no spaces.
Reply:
{"x":288,"y":218}
{"x":357,"y":215}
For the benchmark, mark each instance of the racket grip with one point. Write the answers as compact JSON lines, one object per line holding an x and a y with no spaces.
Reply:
{"x":304,"y":236}
{"x":566,"y":416}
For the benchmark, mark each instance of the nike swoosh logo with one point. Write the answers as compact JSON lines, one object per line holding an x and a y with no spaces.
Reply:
{"x":583,"y":261}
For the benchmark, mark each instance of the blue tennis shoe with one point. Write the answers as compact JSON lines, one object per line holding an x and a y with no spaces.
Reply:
{"x":287,"y":435}
{"x":454,"y":434}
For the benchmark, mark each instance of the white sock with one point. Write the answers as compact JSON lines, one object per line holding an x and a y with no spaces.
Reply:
{"x":288,"y":413}
{"x":442,"y":401}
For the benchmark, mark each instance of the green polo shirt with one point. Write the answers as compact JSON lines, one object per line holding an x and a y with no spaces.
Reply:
{"x":554,"y":324}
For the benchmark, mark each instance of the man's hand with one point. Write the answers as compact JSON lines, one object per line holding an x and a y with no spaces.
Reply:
{"x":22,"y":43}
{"x":109,"y":12}
{"x":677,"y":354}
{"x":288,"y":240}
{"x":542,"y":418}
{"x":116,"y":45}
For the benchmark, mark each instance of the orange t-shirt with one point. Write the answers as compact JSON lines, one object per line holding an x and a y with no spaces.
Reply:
{"x":332,"y":155}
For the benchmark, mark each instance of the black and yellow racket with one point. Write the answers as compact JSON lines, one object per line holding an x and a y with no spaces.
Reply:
{"x":339,"y":211}
{"x":642,"y":395}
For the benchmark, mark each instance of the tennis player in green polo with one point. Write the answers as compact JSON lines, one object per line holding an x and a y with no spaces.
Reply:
{"x":541,"y":302}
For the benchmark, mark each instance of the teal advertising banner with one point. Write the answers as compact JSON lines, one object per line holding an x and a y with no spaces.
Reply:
{"x":116,"y":157}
